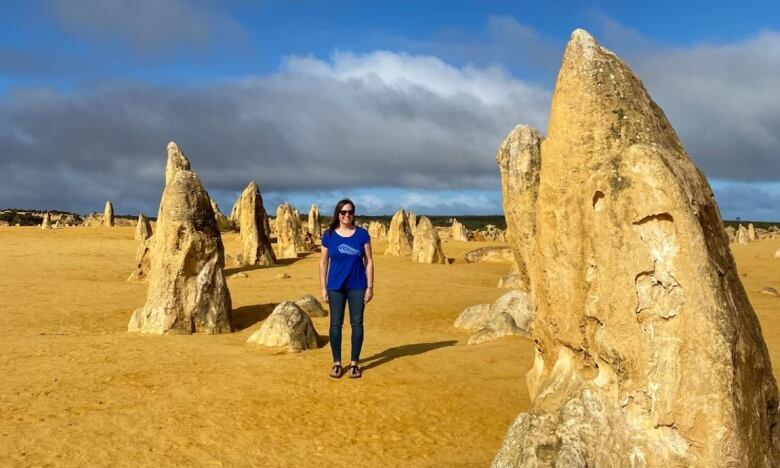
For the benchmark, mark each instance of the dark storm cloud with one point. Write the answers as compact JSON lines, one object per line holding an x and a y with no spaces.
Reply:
{"x":724,"y":102}
{"x":378,"y":120}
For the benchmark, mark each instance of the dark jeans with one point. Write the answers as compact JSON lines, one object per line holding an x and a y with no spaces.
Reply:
{"x":338,"y":300}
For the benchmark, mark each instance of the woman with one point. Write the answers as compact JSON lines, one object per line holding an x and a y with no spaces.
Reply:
{"x":346,"y":276}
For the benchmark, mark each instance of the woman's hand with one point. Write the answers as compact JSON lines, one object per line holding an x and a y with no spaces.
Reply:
{"x":324,"y":294}
{"x":369,"y":295}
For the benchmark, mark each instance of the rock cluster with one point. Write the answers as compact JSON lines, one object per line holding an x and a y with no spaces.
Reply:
{"x":648,"y":350}
{"x":187,"y":292}
{"x":289,"y":235}
{"x":377,"y":230}
{"x":92,"y":219}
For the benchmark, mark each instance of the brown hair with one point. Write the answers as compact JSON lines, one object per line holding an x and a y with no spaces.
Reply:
{"x":334,"y":223}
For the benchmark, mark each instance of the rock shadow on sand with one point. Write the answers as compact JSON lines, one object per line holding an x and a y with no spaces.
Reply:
{"x":391,"y":354}
{"x":246,"y":316}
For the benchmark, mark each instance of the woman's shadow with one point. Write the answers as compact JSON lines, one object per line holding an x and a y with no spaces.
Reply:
{"x":405,"y":350}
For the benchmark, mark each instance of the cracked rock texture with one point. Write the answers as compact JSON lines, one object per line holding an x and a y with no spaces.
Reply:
{"x":187,"y":292}
{"x":648,"y":351}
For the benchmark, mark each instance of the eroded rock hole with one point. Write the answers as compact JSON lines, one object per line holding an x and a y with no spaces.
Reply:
{"x":598,"y":200}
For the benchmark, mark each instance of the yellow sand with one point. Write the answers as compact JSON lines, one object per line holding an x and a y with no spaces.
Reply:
{"x":77,"y":390}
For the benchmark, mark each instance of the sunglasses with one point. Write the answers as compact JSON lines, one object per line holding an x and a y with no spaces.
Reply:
{"x":347,"y":212}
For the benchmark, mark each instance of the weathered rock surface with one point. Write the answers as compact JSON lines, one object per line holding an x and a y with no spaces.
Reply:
{"x":108,"y":215}
{"x":288,"y":232}
{"x":377,"y":230}
{"x":143,"y":229}
{"x":311,"y":306}
{"x":399,"y":236}
{"x":46,"y":222}
{"x":496,"y":254}
{"x":513,"y":278}
{"x":223,"y":222}
{"x":490,"y":233}
{"x":648,"y":350}
{"x":288,"y":325}
{"x":426,"y":246}
{"x":313,"y":223}
{"x":92,"y":219}
{"x":516,"y":304}
{"x":143,"y":261}
{"x":235,"y":213}
{"x":411,"y":218}
{"x":519,"y":161}
{"x":68,"y":219}
{"x":742,"y":235}
{"x":751,"y":232}
{"x":459,"y":232}
{"x":500,"y":326}
{"x":255,"y":240}
{"x":187,"y":292}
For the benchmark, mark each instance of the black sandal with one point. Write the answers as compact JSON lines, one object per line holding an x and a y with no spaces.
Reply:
{"x":355,"y":372}
{"x":336,"y":371}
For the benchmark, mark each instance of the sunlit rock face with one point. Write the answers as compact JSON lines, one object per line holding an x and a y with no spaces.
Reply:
{"x":399,"y":236}
{"x":187,"y":292}
{"x":255,"y":240}
{"x":648,"y":351}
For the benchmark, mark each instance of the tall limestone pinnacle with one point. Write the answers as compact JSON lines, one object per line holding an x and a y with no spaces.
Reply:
{"x":648,"y":350}
{"x":255,"y":240}
{"x":187,"y":292}
{"x":519,"y":160}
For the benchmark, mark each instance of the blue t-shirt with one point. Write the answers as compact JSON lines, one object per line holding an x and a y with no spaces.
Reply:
{"x":347,"y":270}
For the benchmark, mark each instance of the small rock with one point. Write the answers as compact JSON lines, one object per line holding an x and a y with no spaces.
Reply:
{"x":288,"y":325}
{"x":311,"y":306}
{"x":769,"y":291}
{"x":240,"y":274}
{"x":283,"y":276}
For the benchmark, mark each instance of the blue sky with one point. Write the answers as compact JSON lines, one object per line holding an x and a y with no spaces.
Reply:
{"x":392,"y":105}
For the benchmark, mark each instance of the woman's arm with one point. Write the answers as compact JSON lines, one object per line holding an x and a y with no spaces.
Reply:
{"x":369,"y":259}
{"x":324,"y":260}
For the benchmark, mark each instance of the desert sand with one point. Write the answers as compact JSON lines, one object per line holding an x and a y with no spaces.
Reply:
{"x":77,"y":389}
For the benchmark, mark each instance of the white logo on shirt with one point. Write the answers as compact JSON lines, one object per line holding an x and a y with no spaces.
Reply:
{"x":347,"y":250}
